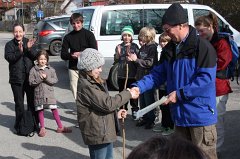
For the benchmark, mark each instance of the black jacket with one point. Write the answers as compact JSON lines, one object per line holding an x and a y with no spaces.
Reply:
{"x":19,"y":63}
{"x":77,"y":41}
{"x":147,"y":58}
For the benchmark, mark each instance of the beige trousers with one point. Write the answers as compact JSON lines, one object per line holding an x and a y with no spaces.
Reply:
{"x":73,"y":77}
{"x":205,"y":137}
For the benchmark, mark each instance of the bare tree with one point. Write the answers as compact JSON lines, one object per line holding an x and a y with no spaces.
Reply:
{"x":230,"y":9}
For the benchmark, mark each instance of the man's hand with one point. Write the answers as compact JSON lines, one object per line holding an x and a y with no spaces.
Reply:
{"x":135,"y":92}
{"x":171,"y":98}
{"x":75,"y":55}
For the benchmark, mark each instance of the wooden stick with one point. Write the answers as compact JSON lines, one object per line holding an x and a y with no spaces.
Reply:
{"x":123,"y":126}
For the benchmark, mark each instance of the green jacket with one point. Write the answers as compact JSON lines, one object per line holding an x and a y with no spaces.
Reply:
{"x":95,"y":110}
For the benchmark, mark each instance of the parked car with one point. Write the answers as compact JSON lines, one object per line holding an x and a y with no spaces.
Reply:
{"x":106,"y":22}
{"x":49,"y":32}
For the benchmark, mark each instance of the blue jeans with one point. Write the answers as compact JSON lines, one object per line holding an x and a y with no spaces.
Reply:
{"x":101,"y":151}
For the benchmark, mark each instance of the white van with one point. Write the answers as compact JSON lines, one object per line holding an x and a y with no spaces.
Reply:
{"x":106,"y":22}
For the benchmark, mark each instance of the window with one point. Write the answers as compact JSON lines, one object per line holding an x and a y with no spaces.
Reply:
{"x":64,"y":23}
{"x":114,"y":20}
{"x":87,"y":17}
{"x":153,"y":17}
{"x":201,"y":12}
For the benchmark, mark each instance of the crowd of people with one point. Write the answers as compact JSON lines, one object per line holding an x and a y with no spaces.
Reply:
{"x":191,"y":62}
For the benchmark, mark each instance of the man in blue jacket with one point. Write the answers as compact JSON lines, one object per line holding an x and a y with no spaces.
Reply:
{"x":188,"y":65}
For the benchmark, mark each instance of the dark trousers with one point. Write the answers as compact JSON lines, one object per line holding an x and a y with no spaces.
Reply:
{"x":167,"y":121}
{"x":133,"y":102}
{"x":19,"y":91}
{"x":146,"y":99}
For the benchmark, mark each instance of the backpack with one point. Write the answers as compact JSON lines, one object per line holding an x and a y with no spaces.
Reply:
{"x":233,"y":67}
{"x":27,"y":124}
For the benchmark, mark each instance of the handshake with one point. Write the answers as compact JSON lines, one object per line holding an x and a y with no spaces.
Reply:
{"x":135,"y":92}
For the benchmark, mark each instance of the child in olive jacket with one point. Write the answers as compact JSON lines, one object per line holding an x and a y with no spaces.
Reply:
{"x":96,"y":109}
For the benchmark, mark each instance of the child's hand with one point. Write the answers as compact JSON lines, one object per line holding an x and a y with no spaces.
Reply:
{"x":43,"y":76}
{"x":122,"y":113}
{"x":119,"y":49}
{"x":132,"y":57}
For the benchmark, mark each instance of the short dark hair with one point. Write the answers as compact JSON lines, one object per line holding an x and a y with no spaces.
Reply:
{"x":76,"y":17}
{"x":148,"y":148}
{"x":160,"y":147}
{"x":43,"y":52}
{"x":18,"y":24}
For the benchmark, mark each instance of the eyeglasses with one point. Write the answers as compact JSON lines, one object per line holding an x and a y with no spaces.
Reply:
{"x":167,"y":30}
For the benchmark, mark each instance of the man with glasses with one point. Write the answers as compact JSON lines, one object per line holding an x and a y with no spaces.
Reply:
{"x":188,"y":65}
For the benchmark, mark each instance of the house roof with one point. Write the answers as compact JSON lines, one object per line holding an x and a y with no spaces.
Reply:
{"x":11,"y":4}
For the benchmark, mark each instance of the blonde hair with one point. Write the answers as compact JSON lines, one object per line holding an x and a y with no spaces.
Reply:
{"x":207,"y":21}
{"x":164,"y":37}
{"x":147,"y":34}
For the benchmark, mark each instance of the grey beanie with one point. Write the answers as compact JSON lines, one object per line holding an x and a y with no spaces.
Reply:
{"x":90,"y":59}
{"x":175,"y":15}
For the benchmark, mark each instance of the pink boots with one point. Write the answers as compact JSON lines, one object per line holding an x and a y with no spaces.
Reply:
{"x":64,"y":130}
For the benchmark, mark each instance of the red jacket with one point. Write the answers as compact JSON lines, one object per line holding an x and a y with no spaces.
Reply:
{"x":224,"y":57}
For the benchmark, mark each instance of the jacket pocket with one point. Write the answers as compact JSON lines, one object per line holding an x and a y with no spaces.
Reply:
{"x":210,"y":135}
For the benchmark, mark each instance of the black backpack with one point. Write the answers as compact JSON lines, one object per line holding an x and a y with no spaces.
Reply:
{"x":27,"y":124}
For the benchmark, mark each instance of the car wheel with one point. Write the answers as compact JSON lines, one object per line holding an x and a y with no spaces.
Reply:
{"x":55,"y":47}
{"x":112,"y":77}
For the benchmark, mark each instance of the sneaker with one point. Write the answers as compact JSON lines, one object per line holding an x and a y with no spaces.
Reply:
{"x":167,"y":131}
{"x":141,"y":122}
{"x":42,"y":132}
{"x":134,"y":110}
{"x":149,"y":126}
{"x":158,"y":128}
{"x":76,"y":125}
{"x":64,"y":130}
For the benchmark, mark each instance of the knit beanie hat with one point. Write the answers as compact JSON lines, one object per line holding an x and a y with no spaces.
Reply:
{"x":127,"y":30}
{"x":90,"y":59}
{"x":175,"y":15}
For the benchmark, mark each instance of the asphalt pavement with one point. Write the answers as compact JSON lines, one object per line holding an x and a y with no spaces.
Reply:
{"x":71,"y":146}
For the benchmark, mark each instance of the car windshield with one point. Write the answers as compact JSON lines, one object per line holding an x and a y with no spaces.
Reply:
{"x":87,"y":17}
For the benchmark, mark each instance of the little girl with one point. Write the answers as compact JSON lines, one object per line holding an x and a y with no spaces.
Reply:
{"x":43,"y":77}
{"x":96,"y":108}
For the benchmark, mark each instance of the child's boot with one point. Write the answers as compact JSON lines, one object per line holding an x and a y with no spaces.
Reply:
{"x":64,"y":130}
{"x":42,"y":132}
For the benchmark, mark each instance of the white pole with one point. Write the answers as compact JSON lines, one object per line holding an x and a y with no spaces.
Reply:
{"x":150,"y":107}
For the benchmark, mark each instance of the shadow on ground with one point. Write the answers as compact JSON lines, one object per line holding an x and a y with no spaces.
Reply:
{"x":51,"y":151}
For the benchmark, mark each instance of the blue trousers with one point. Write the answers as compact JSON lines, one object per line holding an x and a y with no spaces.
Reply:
{"x":101,"y":151}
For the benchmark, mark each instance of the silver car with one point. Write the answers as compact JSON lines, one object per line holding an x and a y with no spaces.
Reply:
{"x":49,"y":32}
